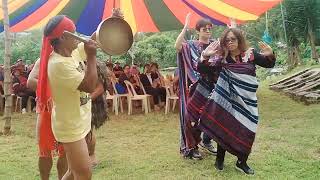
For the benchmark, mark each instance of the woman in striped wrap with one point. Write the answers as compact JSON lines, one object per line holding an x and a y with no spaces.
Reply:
{"x":231,"y":114}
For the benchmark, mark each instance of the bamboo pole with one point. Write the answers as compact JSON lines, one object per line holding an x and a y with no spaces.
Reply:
{"x":7,"y":70}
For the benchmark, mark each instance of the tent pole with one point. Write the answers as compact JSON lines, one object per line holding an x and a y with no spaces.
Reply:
{"x":233,"y":23}
{"x":283,"y":23}
{"x":267,"y":28}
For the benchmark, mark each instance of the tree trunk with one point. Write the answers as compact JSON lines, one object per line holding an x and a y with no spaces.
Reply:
{"x":294,"y":57}
{"x":7,"y":70}
{"x":314,"y":53}
{"x":297,"y":55}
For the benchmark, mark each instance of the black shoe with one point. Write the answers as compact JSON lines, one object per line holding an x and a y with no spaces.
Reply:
{"x":219,"y":164}
{"x":195,"y":154}
{"x":243,"y":167}
{"x":209,"y":147}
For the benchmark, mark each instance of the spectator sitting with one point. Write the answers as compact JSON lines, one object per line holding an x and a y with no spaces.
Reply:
{"x":121,"y":86}
{"x":155,"y":74}
{"x":118,"y":69}
{"x":134,"y":70}
{"x":153,"y":87}
{"x":126,"y":75}
{"x":19,"y":86}
{"x":134,"y":78}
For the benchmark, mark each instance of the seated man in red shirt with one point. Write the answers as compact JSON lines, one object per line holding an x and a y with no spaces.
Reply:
{"x":19,"y":86}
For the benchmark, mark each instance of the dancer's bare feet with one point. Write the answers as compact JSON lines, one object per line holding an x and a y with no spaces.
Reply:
{"x":94,"y":161}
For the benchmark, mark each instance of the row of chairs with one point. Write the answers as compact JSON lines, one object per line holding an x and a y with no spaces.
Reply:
{"x":145,"y":98}
{"x":116,"y":98}
{"x":17,"y":104}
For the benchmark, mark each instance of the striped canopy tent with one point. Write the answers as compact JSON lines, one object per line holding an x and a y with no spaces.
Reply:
{"x":142,"y":15}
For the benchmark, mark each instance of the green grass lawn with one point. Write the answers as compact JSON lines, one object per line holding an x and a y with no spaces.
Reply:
{"x":287,"y":146}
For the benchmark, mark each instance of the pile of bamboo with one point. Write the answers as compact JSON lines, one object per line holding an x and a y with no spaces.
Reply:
{"x":303,"y":86}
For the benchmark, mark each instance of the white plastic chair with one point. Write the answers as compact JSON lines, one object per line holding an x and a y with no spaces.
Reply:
{"x":133,"y":96}
{"x":170,"y":96}
{"x":120,"y":96}
{"x":114,"y":98}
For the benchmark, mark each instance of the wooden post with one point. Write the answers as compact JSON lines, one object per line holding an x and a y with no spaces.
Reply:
{"x":267,"y":27}
{"x":233,"y":23}
{"x":7,"y":70}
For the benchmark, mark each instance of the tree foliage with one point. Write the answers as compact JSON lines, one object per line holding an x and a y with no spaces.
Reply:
{"x":303,"y":26}
{"x":25,"y":46}
{"x":152,"y":47}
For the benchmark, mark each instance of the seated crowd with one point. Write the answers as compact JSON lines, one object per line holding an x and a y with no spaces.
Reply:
{"x":19,"y":77}
{"x":150,"y":81}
